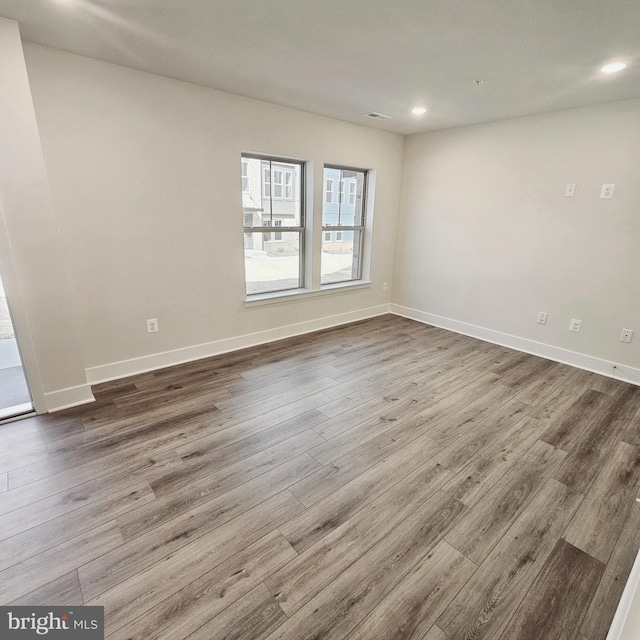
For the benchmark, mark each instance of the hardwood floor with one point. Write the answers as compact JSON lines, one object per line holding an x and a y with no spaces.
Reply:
{"x":378,"y":481}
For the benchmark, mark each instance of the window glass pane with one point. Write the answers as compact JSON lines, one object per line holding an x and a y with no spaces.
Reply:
{"x":286,"y":204}
{"x":341,"y":257}
{"x":272,"y":203}
{"x":277,"y":184}
{"x":348,"y":208}
{"x":273,"y":191}
{"x":272,"y":265}
{"x":266,"y":182}
{"x":353,"y":206}
{"x":245,"y":175}
{"x":256,"y":206}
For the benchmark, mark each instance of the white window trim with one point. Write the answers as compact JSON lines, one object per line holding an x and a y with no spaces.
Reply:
{"x":278,"y":297}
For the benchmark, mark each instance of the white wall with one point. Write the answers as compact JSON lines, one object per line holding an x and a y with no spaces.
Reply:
{"x":31,"y":255}
{"x":145,"y":177}
{"x":144,"y":174}
{"x":486,"y":238}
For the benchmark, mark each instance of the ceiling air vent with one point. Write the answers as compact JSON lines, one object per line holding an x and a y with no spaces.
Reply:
{"x":378,"y":116}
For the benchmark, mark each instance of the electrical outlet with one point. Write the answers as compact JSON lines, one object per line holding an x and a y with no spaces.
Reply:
{"x":570,"y":191}
{"x":542,"y":318}
{"x":626,"y":335}
{"x":152,"y":325}
{"x":607,"y":190}
{"x":385,"y":286}
{"x":575,"y":325}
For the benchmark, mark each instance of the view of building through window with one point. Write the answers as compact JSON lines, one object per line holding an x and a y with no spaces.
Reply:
{"x":342,"y":224}
{"x":273,"y":218}
{"x":272,"y":198}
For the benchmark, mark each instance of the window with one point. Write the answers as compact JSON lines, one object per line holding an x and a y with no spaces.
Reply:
{"x":266,"y":182}
{"x":277,"y":184}
{"x":342,"y":259}
{"x":288,"y":185}
{"x":266,"y":237}
{"x":245,"y":176}
{"x":282,"y":184}
{"x":328,"y":191}
{"x":273,"y":200}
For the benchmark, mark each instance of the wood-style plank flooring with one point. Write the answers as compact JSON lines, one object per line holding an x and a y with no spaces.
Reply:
{"x":377,"y":481}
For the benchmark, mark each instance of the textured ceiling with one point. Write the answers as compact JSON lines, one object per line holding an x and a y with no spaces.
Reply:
{"x":344,"y":58}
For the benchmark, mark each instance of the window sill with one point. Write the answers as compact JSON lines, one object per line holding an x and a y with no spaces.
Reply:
{"x":261,"y":299}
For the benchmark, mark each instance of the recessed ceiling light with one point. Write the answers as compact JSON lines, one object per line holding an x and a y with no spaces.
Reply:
{"x":418,"y":111}
{"x":613,"y":67}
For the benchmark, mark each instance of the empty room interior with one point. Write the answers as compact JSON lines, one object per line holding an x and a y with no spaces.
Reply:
{"x":324,"y":318}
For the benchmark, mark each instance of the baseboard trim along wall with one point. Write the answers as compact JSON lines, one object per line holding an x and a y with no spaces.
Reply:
{"x":630,"y":601}
{"x":67,"y":398}
{"x":153,"y":362}
{"x":557,"y":354}
{"x":125,"y":368}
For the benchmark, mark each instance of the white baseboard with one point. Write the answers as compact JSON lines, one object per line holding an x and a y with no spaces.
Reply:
{"x":619,"y":629}
{"x":67,"y":398}
{"x":557,"y":354}
{"x":124,"y":368}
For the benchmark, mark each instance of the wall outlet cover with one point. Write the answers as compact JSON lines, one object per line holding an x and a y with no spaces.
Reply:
{"x":607,"y":190}
{"x":626,"y":335}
